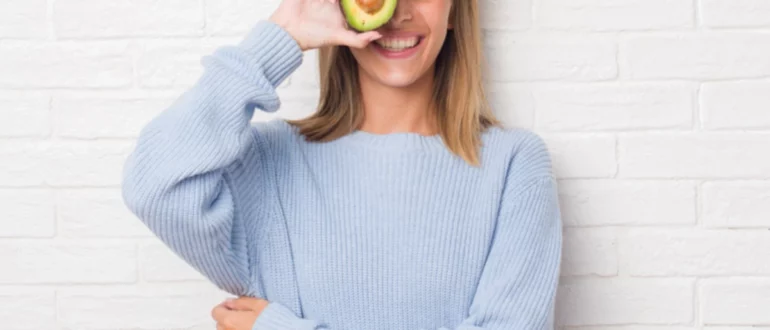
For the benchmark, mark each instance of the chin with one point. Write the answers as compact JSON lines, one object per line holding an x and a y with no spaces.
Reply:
{"x":397,"y":79}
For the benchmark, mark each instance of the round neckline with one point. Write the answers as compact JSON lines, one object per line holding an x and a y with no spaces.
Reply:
{"x":394,"y":141}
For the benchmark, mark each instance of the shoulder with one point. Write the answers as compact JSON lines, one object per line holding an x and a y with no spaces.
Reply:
{"x":275,"y":135}
{"x":525,"y":153}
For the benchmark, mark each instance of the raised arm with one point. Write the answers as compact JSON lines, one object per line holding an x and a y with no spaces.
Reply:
{"x":178,"y":179}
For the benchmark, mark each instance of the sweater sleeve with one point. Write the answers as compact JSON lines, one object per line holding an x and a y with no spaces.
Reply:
{"x":517,"y":288}
{"x":177,"y":180}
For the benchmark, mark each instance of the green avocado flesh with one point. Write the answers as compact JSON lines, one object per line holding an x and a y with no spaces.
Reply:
{"x":365,"y":19}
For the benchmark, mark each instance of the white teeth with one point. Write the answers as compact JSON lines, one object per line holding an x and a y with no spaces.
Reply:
{"x":398,"y":44}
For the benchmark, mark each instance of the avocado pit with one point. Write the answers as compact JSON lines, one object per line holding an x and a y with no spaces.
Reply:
{"x":371,"y":6}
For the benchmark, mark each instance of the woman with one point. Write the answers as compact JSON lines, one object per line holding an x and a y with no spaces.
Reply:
{"x":400,"y":204}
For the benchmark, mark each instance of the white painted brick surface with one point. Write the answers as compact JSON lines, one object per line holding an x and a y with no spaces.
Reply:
{"x":510,"y":15}
{"x":624,"y":301}
{"x":27,"y":213}
{"x":716,"y":56}
{"x":43,"y":262}
{"x":735,"y":105}
{"x":24,"y":115}
{"x":613,"y":106}
{"x":590,"y":251}
{"x":736,"y":301}
{"x":627,"y":202}
{"x":680,"y":252}
{"x":26,"y":308}
{"x":736,"y":204}
{"x":96,"y":213}
{"x":693,"y":155}
{"x":97,"y":18}
{"x":88,"y":64}
{"x":71,"y":163}
{"x":549,"y":59}
{"x":168,"y":64}
{"x":656,"y":113}
{"x":171,"y":306}
{"x":23,"y":19}
{"x":104,"y":117}
{"x":735,"y":13}
{"x":582,"y":156}
{"x":602,"y":15}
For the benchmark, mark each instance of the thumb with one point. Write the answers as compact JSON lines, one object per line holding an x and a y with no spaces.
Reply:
{"x":355,"y":39}
{"x":245,"y":304}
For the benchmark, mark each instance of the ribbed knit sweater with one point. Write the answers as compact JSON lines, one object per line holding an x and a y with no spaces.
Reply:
{"x":369,"y":231}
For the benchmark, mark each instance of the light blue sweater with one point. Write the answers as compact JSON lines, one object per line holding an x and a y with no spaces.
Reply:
{"x":370,"y":231}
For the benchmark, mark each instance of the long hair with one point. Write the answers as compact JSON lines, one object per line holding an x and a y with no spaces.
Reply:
{"x":463,"y":111}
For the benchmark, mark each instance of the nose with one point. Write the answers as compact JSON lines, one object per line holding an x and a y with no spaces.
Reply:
{"x":403,"y":13}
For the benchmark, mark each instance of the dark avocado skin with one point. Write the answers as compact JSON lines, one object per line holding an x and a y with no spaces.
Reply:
{"x":359,"y":20}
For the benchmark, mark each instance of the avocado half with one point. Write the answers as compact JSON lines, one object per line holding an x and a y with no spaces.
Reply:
{"x":367,"y":15}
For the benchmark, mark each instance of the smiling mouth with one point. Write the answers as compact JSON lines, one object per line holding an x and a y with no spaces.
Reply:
{"x":399,"y":44}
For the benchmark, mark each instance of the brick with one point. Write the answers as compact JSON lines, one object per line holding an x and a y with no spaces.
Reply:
{"x":23,"y":19}
{"x":105,"y":117}
{"x":173,"y":63}
{"x":236,"y":17}
{"x":513,"y":104}
{"x":694,"y":155}
{"x":694,"y":252}
{"x":627,"y":202}
{"x":26,"y":213}
{"x":62,"y":163}
{"x":93,"y":64}
{"x":735,"y":301}
{"x":27,"y":308}
{"x":618,"y":15}
{"x":24,"y":116}
{"x":735,"y":105}
{"x":96,"y":213}
{"x":735,"y":13}
{"x":35,"y":262}
{"x":97,"y":18}
{"x":708,"y":56}
{"x":589,"y":251}
{"x":612,"y":106}
{"x":614,"y":301}
{"x":736,"y":204}
{"x":145,"y":306}
{"x":509,"y":15}
{"x":519,"y":58}
{"x":159,"y":263}
{"x":582,"y":156}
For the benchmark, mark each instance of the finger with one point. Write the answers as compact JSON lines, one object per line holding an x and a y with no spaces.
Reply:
{"x":221,"y":327}
{"x":245,"y":304}
{"x":219,"y":313}
{"x":357,"y":40}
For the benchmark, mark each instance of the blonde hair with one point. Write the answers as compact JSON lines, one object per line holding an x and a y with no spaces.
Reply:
{"x":463,"y":109}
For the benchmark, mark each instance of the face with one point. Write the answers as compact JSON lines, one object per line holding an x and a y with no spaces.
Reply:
{"x":410,"y":44}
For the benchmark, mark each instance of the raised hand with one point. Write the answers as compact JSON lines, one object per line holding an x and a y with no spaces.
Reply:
{"x":318,"y":23}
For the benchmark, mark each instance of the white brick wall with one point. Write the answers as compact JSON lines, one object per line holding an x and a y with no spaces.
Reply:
{"x":657,"y":113}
